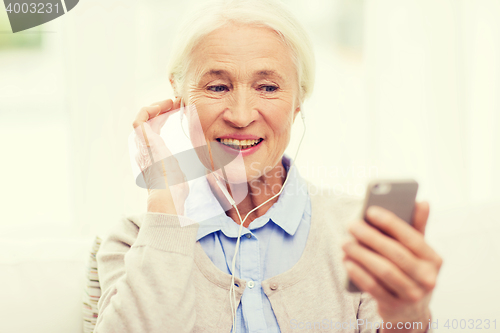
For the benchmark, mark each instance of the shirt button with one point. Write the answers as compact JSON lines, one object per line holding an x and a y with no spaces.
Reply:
{"x":274,"y":286}
{"x":249,"y":236}
{"x":250,"y":284}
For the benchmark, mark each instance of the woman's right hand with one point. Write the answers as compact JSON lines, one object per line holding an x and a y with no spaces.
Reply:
{"x":162,"y":198}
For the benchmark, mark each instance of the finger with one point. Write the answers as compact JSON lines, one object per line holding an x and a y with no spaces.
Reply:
{"x":142,"y":157}
{"x":386,"y":272}
{"x":146,"y":113}
{"x":421,"y":271}
{"x":367,"y":282}
{"x":165,"y":105}
{"x":149,"y":112}
{"x":420,"y":216}
{"x":392,"y":225}
{"x":150,"y":142}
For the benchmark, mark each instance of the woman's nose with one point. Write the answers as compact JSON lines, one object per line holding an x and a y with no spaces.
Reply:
{"x":240,"y":111}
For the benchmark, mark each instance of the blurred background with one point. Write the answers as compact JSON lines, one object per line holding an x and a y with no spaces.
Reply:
{"x":404,"y":88}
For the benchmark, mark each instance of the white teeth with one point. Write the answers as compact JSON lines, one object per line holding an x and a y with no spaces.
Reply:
{"x":239,"y":142}
{"x":242,"y":144}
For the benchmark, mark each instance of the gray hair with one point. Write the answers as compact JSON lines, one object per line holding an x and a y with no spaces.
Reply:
{"x":268,"y":13}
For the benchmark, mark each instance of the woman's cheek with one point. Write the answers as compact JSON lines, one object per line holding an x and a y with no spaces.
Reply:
{"x":281,"y":121}
{"x":207,"y":103}
{"x":206,"y":109}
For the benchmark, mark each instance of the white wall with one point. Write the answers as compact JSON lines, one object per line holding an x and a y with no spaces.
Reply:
{"x":433,"y":83}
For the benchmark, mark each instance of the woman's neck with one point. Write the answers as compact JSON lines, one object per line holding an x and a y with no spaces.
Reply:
{"x":259,"y":191}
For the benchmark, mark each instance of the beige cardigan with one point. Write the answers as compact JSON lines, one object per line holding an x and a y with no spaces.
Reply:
{"x":155,"y":277}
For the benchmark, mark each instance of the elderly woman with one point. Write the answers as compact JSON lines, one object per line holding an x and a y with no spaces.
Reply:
{"x":245,"y":67}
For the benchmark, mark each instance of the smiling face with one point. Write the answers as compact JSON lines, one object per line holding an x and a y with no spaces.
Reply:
{"x":243,"y":82}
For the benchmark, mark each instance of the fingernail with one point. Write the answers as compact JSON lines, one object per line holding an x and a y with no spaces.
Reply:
{"x":356,"y":229}
{"x":375,"y":212}
{"x":347,"y":244}
{"x":348,"y":264}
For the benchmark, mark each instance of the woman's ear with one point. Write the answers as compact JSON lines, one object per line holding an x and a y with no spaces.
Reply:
{"x":177,"y":102}
{"x":174,"y":85}
{"x":296,"y":111}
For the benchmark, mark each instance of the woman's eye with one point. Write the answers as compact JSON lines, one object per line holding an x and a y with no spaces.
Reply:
{"x":220,"y":88}
{"x":269,"y":88}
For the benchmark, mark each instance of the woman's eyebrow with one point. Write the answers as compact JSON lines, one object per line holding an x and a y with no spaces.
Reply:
{"x":264,"y":73}
{"x":268,"y":73}
{"x":215,"y":72}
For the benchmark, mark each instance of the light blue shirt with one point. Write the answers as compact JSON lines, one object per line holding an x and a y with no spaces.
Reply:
{"x":271,"y":245}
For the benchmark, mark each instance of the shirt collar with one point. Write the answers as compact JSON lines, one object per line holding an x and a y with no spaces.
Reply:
{"x":202,"y":206}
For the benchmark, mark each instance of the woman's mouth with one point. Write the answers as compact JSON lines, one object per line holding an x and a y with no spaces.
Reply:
{"x":240,"y":144}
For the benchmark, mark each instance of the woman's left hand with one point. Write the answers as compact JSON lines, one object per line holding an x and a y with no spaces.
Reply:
{"x":390,"y":260}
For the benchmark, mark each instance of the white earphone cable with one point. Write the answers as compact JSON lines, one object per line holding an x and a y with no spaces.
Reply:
{"x":233,"y":264}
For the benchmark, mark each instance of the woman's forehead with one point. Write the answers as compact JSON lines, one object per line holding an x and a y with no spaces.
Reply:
{"x":242,"y":50}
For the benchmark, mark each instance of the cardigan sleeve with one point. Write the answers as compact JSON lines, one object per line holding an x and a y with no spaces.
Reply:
{"x":146,"y":276}
{"x":368,"y":318}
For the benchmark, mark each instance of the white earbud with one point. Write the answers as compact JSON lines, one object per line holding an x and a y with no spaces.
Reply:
{"x":302,"y":113}
{"x":182,"y":110}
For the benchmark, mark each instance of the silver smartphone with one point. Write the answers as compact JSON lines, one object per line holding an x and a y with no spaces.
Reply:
{"x":398,"y":196}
